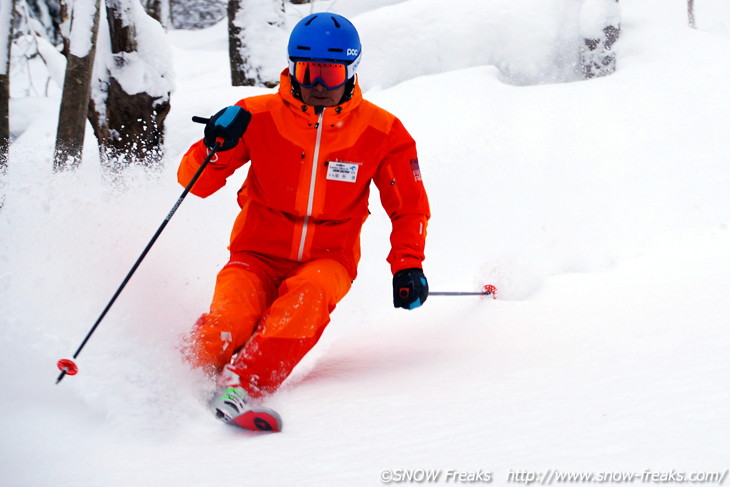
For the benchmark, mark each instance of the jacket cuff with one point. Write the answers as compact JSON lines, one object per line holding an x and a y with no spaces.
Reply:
{"x":405,"y":263}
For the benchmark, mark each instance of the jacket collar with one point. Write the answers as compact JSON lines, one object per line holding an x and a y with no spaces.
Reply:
{"x":296,"y":105}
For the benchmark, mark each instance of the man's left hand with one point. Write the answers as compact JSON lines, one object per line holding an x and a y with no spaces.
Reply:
{"x":410,"y":288}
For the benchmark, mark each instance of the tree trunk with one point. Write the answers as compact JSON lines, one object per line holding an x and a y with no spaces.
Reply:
{"x":76,"y":91}
{"x":597,"y":57}
{"x":6,"y":42}
{"x":130,"y":126}
{"x":122,"y":31}
{"x":253,"y":24}
{"x":4,"y":121}
{"x":691,"y":13}
{"x":236,"y":47}
{"x":132,"y":132}
{"x":158,"y":10}
{"x":65,"y":26}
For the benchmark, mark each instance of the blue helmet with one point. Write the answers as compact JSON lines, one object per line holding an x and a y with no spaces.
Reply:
{"x":325,"y":36}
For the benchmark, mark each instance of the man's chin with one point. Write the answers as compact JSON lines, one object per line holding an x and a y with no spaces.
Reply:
{"x":319,"y":102}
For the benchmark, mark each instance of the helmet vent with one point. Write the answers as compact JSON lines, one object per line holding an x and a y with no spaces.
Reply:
{"x":335,"y":49}
{"x":337,"y":24}
{"x":311,"y":20}
{"x":304,"y":48}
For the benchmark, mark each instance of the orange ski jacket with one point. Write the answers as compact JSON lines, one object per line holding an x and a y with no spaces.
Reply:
{"x":306,"y":192}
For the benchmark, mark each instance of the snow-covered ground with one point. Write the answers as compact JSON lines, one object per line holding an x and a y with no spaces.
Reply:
{"x":599,"y":209}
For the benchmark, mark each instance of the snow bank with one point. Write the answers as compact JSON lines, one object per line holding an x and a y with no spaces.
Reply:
{"x":149,"y":69}
{"x":531,"y":42}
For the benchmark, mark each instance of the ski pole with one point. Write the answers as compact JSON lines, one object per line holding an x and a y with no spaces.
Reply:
{"x":488,"y":290}
{"x":68,"y":366}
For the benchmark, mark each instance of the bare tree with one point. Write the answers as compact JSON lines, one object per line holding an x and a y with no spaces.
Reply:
{"x":691,"y":13}
{"x":76,"y":85}
{"x":128,"y":117}
{"x":6,"y":41}
{"x":255,"y":30}
{"x":47,"y":13}
{"x":196,"y":14}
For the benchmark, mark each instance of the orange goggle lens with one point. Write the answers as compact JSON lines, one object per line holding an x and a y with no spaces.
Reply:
{"x":309,"y":73}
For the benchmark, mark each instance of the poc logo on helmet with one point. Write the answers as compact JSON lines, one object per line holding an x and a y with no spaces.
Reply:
{"x":352,"y":52}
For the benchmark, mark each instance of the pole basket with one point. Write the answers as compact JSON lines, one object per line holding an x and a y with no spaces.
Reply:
{"x":490,"y":290}
{"x":68,"y":366}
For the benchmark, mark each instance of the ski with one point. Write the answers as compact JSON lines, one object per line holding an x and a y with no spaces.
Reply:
{"x":258,"y":419}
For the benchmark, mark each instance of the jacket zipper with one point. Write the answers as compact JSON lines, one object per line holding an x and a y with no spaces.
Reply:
{"x":312,"y":184}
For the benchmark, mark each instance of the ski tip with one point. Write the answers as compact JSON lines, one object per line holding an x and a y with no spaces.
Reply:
{"x":259,"y":419}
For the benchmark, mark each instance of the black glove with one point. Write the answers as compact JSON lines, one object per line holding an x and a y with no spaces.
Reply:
{"x":226,"y":127}
{"x":410,"y":288}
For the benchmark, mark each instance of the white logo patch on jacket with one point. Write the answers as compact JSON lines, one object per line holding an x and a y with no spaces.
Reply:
{"x":342,"y":171}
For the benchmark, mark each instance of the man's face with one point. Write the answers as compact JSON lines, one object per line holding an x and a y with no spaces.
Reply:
{"x":318,"y":95}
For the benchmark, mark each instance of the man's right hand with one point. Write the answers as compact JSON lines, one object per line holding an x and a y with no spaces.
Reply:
{"x":226,"y":127}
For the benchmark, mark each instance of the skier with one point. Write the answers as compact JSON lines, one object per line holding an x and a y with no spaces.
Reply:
{"x":313,"y":147}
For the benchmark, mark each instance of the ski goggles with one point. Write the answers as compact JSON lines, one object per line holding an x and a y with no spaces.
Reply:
{"x":309,"y":73}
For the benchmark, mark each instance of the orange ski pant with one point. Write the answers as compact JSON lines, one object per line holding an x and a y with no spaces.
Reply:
{"x":265,"y":316}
